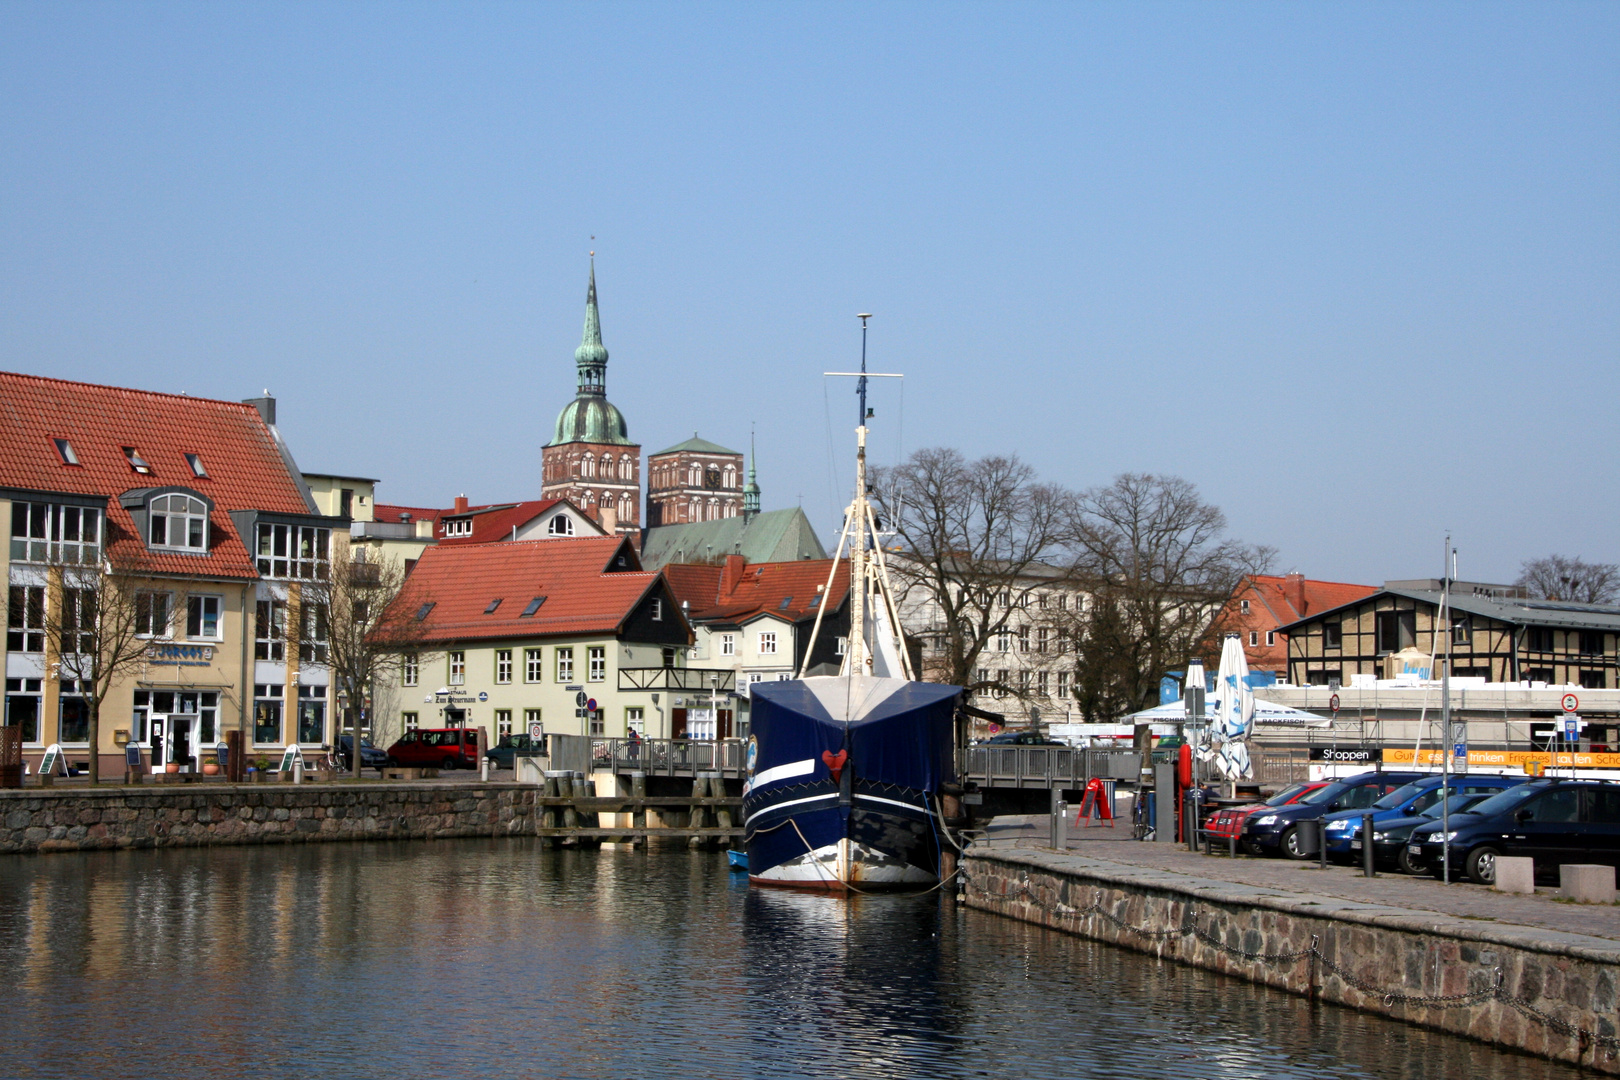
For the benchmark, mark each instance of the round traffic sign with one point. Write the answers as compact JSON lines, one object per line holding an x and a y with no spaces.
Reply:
{"x":1570,"y":702}
{"x":581,"y":698}
{"x":1333,"y":702}
{"x":590,"y":703}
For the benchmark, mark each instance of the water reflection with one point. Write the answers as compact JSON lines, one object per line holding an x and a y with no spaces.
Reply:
{"x":499,"y":958}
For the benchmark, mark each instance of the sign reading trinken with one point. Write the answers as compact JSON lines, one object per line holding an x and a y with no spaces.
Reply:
{"x":182,"y":655}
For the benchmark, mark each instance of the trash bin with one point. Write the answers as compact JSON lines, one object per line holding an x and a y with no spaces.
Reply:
{"x":1309,"y":832}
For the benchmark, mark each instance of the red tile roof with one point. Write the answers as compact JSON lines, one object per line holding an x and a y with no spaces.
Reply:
{"x":737,"y":591}
{"x":585,"y":592}
{"x":1317,"y":596}
{"x":245,"y":467}
{"x":491,"y":523}
{"x":391,"y":514}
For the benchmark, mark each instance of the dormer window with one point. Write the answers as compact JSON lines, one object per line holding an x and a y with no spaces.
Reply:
{"x":196,"y":464}
{"x":561,"y":525}
{"x":532,"y":607}
{"x":425,"y":610}
{"x":458,"y":527}
{"x":64,"y":450}
{"x":177,"y":521}
{"x":493,"y":604}
{"x":137,"y":462}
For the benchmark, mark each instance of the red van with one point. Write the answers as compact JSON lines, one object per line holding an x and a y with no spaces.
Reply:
{"x":436,"y":748}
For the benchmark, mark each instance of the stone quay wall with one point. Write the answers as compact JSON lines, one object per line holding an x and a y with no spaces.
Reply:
{"x":36,"y":820}
{"x":1543,"y":992}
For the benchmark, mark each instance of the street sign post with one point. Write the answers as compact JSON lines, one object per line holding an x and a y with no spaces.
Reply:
{"x":1333,"y":703}
{"x":1570,"y":702}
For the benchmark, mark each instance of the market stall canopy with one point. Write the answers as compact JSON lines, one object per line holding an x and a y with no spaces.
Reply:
{"x":1266,"y":714}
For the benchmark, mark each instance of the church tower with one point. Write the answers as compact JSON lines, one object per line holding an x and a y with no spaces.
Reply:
{"x":590,"y":460}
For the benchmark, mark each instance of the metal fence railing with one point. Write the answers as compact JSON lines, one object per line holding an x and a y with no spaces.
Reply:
{"x":1044,"y":766}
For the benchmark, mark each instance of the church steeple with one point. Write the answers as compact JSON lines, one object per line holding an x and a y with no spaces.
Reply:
{"x":591,"y":357}
{"x":751,"y":489}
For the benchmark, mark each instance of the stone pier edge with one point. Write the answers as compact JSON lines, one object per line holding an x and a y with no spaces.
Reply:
{"x":1523,"y":988}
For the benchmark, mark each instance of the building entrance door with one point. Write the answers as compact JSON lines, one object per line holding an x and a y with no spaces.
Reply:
{"x":174,"y":739}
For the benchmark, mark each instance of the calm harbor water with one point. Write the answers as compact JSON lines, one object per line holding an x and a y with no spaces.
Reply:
{"x":479,"y":959}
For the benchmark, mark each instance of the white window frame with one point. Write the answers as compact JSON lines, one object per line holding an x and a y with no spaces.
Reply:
{"x":458,"y":668}
{"x":560,"y":525}
{"x":766,"y":643}
{"x":197,"y":607}
{"x":458,"y":527}
{"x":1271,"y":638}
{"x":410,"y":670}
{"x":565,"y":663}
{"x":503,"y":667}
{"x":503,"y":722}
{"x":534,"y":665}
{"x":728,"y":644}
{"x":1254,"y":639}
{"x":190,"y":520}
{"x":146,"y":618}
{"x":596,"y":658}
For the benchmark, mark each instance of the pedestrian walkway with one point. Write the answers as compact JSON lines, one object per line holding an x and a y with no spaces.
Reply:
{"x":1461,"y":899}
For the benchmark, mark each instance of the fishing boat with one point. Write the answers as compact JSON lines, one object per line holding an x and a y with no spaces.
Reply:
{"x":845,"y":771}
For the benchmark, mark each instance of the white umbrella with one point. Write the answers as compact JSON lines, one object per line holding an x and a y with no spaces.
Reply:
{"x":1234,"y":712}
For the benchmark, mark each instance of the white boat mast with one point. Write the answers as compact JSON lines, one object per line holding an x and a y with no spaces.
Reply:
{"x":868,"y":571}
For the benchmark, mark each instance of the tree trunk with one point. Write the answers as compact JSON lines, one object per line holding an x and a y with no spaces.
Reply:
{"x":95,"y":742}
{"x":356,"y":707}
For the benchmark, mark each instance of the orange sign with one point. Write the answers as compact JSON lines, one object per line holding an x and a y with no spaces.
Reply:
{"x":1509,"y":758}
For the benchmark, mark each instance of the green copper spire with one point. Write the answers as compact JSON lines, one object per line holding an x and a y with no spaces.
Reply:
{"x":751,"y":489}
{"x":590,"y":418}
{"x":591,"y":356}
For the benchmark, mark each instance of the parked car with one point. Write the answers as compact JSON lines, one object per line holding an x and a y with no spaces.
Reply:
{"x":1276,"y":829}
{"x":371,"y":757}
{"x":1390,"y":837}
{"x":1020,"y":738}
{"x":1228,"y":822}
{"x":1340,"y":829}
{"x":1552,"y":821}
{"x":437,"y":748}
{"x":507,"y":750}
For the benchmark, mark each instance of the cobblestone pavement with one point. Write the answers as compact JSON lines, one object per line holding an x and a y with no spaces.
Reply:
{"x":1460,"y":899}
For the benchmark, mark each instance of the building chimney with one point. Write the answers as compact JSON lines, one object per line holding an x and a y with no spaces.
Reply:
{"x":266,"y":406}
{"x":610,"y":519}
{"x":731,"y":573}
{"x":1294,"y":590}
{"x":461,"y":504}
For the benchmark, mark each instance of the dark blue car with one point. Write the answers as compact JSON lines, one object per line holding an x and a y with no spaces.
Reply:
{"x":1343,"y":829}
{"x":1276,"y":830}
{"x":1550,"y":821}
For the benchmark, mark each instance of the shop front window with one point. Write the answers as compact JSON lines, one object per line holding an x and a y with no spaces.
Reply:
{"x":73,"y":715}
{"x":267,"y":699}
{"x":312,"y":714}
{"x":22,"y":707}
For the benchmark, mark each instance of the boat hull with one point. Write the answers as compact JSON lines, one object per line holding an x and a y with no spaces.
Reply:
{"x":848,"y":802}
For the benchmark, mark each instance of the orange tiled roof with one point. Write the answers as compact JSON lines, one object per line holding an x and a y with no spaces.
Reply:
{"x":245,"y":467}
{"x":757,"y":589}
{"x":1318,"y":595}
{"x":390,"y":514}
{"x":585,"y":591}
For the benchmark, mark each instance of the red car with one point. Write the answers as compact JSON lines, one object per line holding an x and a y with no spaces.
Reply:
{"x":1227,"y":823}
{"x":436,"y":748}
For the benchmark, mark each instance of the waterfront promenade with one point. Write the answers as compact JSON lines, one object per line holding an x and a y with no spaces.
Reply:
{"x":1526,"y":972}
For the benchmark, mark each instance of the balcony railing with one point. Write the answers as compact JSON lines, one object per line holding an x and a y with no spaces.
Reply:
{"x":690,"y":680}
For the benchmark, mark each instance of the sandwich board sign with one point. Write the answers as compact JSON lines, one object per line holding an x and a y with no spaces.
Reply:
{"x":290,"y":755}
{"x":52,"y":761}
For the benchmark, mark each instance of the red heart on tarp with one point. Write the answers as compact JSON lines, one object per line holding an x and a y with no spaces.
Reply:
{"x":835,"y":762}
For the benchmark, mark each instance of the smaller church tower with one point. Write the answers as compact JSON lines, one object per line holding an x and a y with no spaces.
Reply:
{"x":695,"y":480}
{"x":590,"y":460}
{"x":751,"y":489}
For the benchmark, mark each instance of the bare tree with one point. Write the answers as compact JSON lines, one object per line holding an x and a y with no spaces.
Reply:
{"x":1559,"y":577}
{"x":978,"y":537}
{"x":99,"y":621}
{"x":1155,"y":561}
{"x":350,"y":627}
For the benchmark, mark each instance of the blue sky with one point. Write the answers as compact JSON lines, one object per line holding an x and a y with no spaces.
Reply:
{"x":1352,"y":269}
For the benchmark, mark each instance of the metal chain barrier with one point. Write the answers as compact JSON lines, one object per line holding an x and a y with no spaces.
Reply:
{"x":1497,"y":991}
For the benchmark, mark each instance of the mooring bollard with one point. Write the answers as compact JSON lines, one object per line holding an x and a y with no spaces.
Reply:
{"x":1367,"y":869}
{"x":1060,"y":825}
{"x":298,"y":770}
{"x":483,"y":770}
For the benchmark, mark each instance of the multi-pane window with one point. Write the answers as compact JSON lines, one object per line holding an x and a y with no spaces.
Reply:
{"x":635,"y":720}
{"x":597,"y":655}
{"x":561,"y":525}
{"x":25,"y":619}
{"x":202,"y":617}
{"x":177,"y":521}
{"x":267,"y":699}
{"x":565,"y":665}
{"x":503,"y":721}
{"x":1539,"y":639}
{"x":728,"y":644}
{"x":1592,"y":642}
{"x":270,"y":631}
{"x":1041,"y":636}
{"x":152,"y":614}
{"x":531,"y":721}
{"x":203,"y":705}
{"x":23,"y":707}
{"x":1040,"y":683}
{"x":458,"y":668}
{"x":409,"y":720}
{"x":1001,"y":681}
{"x":294,"y":551}
{"x":1063,"y":684}
{"x":43,"y":532}
{"x":503,"y":667}
{"x":1332,"y":635}
{"x":458,"y":527}
{"x":1462,"y":630}
{"x":597,"y":726}
{"x":312,"y":714}
{"x":1023,"y":639}
{"x":1023,"y":681}
{"x":78,"y":621}
{"x":1003,"y":640}
{"x":314,"y":633}
{"x":767,"y":642}
{"x":534,"y":665}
